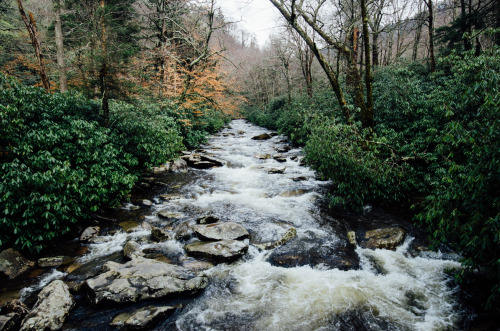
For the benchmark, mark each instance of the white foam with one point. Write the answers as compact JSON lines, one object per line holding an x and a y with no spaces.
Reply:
{"x":43,"y":281}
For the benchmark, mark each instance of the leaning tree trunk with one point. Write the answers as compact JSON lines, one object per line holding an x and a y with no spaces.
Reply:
{"x":63,"y":85}
{"x":33,"y":32}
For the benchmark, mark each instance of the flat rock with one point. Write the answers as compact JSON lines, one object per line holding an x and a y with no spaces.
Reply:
{"x":51,"y":309}
{"x":129,"y":226}
{"x":145,"y":203}
{"x":197,"y":266}
{"x":54,"y":261}
{"x":388,"y":238}
{"x":90,"y":232}
{"x":141,"y":279}
{"x":221,"y":231}
{"x":263,"y":136}
{"x":203,"y":165}
{"x":13,"y":263}
{"x":142,"y":319}
{"x":222,"y":251}
{"x":215,"y":161}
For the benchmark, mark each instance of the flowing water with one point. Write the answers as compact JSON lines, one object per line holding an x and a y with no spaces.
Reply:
{"x":316,"y":281}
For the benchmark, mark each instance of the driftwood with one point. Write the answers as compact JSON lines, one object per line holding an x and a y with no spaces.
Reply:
{"x":35,"y":41}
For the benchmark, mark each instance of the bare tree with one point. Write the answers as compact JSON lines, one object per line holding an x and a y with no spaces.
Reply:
{"x":35,"y":41}
{"x":63,"y":85}
{"x":430,"y":9}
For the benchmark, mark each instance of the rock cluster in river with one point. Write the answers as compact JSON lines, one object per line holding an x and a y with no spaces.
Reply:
{"x":142,"y":279}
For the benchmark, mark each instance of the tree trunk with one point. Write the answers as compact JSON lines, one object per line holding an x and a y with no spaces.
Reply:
{"x":332,"y":77}
{"x":430,"y":7}
{"x":367,"y":117}
{"x":375,"y":50}
{"x":63,"y":85}
{"x":418,"y":34}
{"x":33,"y":32}
{"x":103,"y":74}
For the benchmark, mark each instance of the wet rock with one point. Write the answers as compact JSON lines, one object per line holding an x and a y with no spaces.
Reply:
{"x":74,"y":286}
{"x":207,"y":220}
{"x":160,"y":169}
{"x":145,"y":203}
{"x":262,"y":156}
{"x":299,"y":179}
{"x":241,"y":132}
{"x":15,"y":306}
{"x":280,"y":158}
{"x":146,"y":226}
{"x":263,"y":136}
{"x":10,"y":322}
{"x":143,"y":185}
{"x":222,"y":251}
{"x":221,"y":231}
{"x":54,"y":261}
{"x":160,"y":235}
{"x":293,"y":193}
{"x":289,"y":234}
{"x":351,"y":236}
{"x":50,"y":311}
{"x":179,"y":165}
{"x":141,"y":279}
{"x":183,"y":231}
{"x":288,"y":260}
{"x":90,"y":232}
{"x":129,"y":226}
{"x":170,"y":215}
{"x":203,"y":165}
{"x":132,"y":250}
{"x":276,"y":170}
{"x":283,"y":149}
{"x":170,"y":197}
{"x":142,"y":319}
{"x":197,"y":266}
{"x":13,"y":263}
{"x":388,"y":238}
{"x":212,"y":159}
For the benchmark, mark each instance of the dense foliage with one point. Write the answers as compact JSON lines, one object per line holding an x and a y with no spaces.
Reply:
{"x":435,"y":146}
{"x":59,"y":163}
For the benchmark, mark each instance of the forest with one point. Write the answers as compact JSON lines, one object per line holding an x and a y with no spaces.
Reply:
{"x":396,"y":102}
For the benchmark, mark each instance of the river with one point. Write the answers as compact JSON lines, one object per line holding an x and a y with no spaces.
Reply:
{"x":316,"y":281}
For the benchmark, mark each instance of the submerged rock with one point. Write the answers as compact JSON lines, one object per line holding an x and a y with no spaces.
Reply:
{"x":263,"y":136}
{"x":142,"y":319}
{"x":262,"y":156}
{"x":170,"y":197}
{"x":222,"y":251}
{"x":294,"y":193}
{"x":141,"y":279}
{"x":129,"y":226}
{"x":183,"y":231}
{"x":13,"y":263}
{"x":50,"y":311}
{"x":221,"y":231}
{"x":388,"y":238}
{"x":170,"y":215}
{"x":289,"y":234}
{"x":90,"y":232}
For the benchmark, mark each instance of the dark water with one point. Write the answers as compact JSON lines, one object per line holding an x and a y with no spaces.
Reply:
{"x":316,"y":281}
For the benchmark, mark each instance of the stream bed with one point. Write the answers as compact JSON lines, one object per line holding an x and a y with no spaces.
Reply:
{"x":317,"y":280}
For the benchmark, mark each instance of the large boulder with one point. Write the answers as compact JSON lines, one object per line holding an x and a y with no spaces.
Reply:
{"x":220,"y":251}
{"x":263,"y":136}
{"x":13,"y":263}
{"x":388,"y":238}
{"x":179,"y":165}
{"x":141,"y":279}
{"x":142,"y":319}
{"x":50,"y":311}
{"x":221,"y":231}
{"x":90,"y":232}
